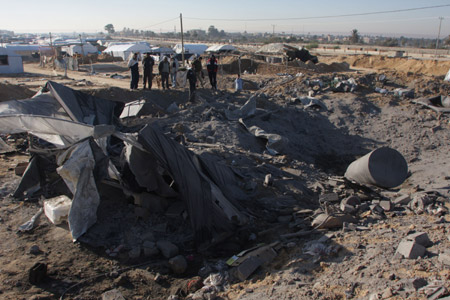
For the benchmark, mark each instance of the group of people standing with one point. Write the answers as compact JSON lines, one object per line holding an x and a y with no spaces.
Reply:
{"x":169,"y":68}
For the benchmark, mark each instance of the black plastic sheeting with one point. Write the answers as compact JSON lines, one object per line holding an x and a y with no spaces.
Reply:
{"x":202,"y":185}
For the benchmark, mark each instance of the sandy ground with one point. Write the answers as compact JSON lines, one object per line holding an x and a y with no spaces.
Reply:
{"x":362,"y":265}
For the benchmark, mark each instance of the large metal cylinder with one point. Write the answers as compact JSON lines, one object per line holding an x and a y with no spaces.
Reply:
{"x":383,"y":167}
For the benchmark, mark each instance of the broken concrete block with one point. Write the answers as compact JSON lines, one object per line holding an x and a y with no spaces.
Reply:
{"x":178,"y":264}
{"x":420,"y":238}
{"x":402,"y":200}
{"x":328,"y":221}
{"x":331,"y":197}
{"x":167,"y":249}
{"x":246,"y":268}
{"x":386,"y":205}
{"x":348,"y":209}
{"x":150,"y":248}
{"x":410,"y":249}
{"x":376,"y":208}
{"x":114,"y":294}
{"x":352,"y":201}
{"x":445,"y":258}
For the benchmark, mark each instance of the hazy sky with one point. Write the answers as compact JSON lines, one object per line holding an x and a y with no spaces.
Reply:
{"x":93,"y":15}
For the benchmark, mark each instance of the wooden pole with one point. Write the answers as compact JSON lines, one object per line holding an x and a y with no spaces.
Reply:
{"x":182,"y":39}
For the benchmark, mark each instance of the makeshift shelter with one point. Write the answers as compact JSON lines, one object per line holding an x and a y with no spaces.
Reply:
{"x":125,"y":50}
{"x":84,"y":49}
{"x":30,"y":50}
{"x":279,"y":49}
{"x":221,"y":49}
{"x":197,"y":49}
{"x":10,"y":62}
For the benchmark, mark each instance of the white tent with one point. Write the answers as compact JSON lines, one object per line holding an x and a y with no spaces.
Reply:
{"x":84,"y":50}
{"x":10,"y":62}
{"x":125,"y":50}
{"x":220,"y":48}
{"x":197,"y":49}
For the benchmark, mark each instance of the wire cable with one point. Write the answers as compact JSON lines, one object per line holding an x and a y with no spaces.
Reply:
{"x":325,"y":17}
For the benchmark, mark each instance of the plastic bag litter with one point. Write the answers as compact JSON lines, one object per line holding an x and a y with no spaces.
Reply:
{"x":27,"y":226}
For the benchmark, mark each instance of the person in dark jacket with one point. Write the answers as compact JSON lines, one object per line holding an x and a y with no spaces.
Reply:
{"x":197,"y":66}
{"x":212,"y":68}
{"x":164,"y":70}
{"x":133,"y":64}
{"x":192,"y":82}
{"x":147,"y":64}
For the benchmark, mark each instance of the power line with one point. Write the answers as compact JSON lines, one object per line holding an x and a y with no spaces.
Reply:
{"x":325,"y":17}
{"x":167,"y":21}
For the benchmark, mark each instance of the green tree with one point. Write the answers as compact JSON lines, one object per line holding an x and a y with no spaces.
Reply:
{"x":354,"y":39}
{"x":110,"y":28}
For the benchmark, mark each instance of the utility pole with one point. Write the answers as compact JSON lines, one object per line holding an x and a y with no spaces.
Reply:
{"x":182,"y":39}
{"x":273,"y":30}
{"x":82,"y":50}
{"x":439,"y":34}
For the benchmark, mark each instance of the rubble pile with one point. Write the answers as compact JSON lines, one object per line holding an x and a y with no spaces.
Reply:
{"x":237,"y":195}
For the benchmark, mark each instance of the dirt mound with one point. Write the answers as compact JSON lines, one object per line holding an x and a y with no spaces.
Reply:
{"x":14,"y":92}
{"x":400,"y":64}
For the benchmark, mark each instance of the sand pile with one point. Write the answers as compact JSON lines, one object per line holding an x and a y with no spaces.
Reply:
{"x":14,"y":92}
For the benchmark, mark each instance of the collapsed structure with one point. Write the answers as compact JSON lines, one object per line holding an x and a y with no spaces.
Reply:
{"x":76,"y":135}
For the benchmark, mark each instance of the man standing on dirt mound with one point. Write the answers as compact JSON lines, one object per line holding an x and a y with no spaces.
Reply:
{"x":164,"y":70}
{"x":133,"y":65}
{"x":212,"y":68}
{"x":147,"y":64}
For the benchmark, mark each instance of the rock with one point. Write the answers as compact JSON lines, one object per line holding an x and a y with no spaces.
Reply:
{"x":167,"y":249}
{"x":328,"y":221}
{"x":417,"y":283}
{"x":150,"y":248}
{"x":445,"y":258}
{"x":148,"y":236}
{"x":420,"y":238}
{"x":247,"y":267}
{"x":419,"y":202}
{"x":178,"y":264}
{"x":352,"y":201}
{"x":386,"y":205}
{"x":135,"y":252}
{"x":410,"y":249}
{"x":331,"y":197}
{"x":376,"y":208}
{"x":35,"y":250}
{"x":387,"y":293}
{"x":114,"y":294}
{"x":402,"y":200}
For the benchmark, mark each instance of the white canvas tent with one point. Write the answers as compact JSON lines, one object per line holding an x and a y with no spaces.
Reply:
{"x":125,"y":50}
{"x":197,"y":49}
{"x":78,"y":49}
{"x":10,"y":62}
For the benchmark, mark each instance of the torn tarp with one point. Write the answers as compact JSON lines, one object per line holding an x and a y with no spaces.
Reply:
{"x":84,"y":164}
{"x":275,"y":142}
{"x":247,"y":110}
{"x":210,"y":211}
{"x":59,"y":132}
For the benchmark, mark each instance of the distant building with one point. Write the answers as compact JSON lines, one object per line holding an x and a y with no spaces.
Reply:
{"x":10,"y":62}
